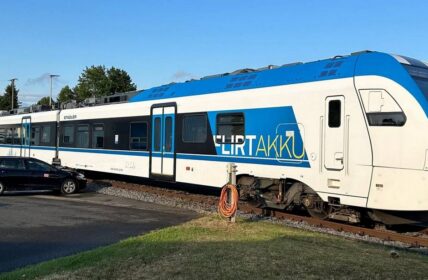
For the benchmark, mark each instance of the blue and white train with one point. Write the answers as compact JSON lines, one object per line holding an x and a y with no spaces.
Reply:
{"x":346,"y":137}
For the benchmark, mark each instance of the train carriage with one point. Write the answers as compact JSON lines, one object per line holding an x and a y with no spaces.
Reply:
{"x":343,"y":137}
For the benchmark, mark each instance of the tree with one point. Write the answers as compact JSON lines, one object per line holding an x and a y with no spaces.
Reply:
{"x":44,"y":101}
{"x":93,"y":82}
{"x":5,"y":99}
{"x":120,"y":81}
{"x":66,"y":94}
{"x":96,"y":81}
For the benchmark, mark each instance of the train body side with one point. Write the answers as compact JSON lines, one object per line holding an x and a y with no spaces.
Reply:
{"x":282,"y":139}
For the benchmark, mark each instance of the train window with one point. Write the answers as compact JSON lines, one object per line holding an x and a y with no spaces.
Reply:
{"x":386,"y":119}
{"x":194,"y":129}
{"x":382,"y":109}
{"x":35,"y":135}
{"x":334,"y":113}
{"x":138,"y":136}
{"x":68,"y":135}
{"x":2,"y":135}
{"x":157,"y":135}
{"x":82,"y":136}
{"x":45,"y":134}
{"x":168,"y":134}
{"x":98,"y":136}
{"x":17,"y":135}
{"x":228,"y":125}
{"x":9,"y":135}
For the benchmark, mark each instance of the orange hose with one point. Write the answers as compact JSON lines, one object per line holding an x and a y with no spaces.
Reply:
{"x":225,"y":208}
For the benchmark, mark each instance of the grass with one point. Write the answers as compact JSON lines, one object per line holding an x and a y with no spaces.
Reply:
{"x":210,"y":248}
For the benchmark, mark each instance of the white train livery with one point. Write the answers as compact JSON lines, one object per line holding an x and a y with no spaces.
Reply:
{"x":346,"y":137}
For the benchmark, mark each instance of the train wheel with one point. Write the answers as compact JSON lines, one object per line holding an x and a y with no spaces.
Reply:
{"x":316,"y":207}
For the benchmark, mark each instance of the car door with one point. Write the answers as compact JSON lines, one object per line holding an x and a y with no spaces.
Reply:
{"x":42,"y":175}
{"x":13,"y":173}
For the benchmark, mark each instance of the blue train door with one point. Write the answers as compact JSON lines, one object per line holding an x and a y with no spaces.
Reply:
{"x":162,"y":151}
{"x":25,"y":136}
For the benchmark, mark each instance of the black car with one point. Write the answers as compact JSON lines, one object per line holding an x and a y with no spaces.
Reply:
{"x":21,"y":173}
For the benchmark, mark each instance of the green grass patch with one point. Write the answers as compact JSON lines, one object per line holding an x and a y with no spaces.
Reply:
{"x":211,"y":248}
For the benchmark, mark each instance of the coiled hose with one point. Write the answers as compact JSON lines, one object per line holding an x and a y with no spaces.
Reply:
{"x":228,"y":208}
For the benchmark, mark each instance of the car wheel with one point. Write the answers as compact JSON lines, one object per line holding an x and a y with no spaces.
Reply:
{"x":1,"y":188}
{"x":68,"y":186}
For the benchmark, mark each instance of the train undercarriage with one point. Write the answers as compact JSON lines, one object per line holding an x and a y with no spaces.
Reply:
{"x":291,"y":195}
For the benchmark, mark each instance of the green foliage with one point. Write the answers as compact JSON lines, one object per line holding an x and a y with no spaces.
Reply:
{"x":93,"y":82}
{"x":5,"y":99}
{"x":120,"y":81}
{"x":66,"y":94}
{"x":96,"y":81}
{"x":44,"y":101}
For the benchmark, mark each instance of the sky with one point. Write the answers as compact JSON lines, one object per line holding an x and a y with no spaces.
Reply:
{"x":159,"y":41}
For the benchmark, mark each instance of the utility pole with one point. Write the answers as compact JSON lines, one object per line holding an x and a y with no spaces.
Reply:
{"x":50,"y":99}
{"x":13,"y":89}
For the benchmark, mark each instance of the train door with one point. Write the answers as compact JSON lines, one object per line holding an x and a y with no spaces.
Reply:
{"x":162,"y":151}
{"x":25,"y":136}
{"x":334,"y":132}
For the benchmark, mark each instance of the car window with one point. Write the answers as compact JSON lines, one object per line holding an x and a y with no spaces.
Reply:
{"x":37,"y":166}
{"x":12,"y":163}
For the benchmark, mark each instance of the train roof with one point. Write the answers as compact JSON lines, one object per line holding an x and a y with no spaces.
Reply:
{"x":369,"y":63}
{"x":356,"y":64}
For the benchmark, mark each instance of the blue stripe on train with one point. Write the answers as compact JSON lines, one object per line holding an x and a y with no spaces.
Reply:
{"x":108,"y":152}
{"x":304,"y":164}
{"x":26,"y":147}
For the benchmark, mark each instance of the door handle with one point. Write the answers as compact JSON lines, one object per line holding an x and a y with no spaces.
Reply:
{"x":338,"y":156}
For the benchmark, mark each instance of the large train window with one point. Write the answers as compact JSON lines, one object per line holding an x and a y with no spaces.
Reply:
{"x":334,"y":113}
{"x":194,"y":128}
{"x":228,"y":125}
{"x":46,"y":135}
{"x":2,"y":135}
{"x":157,"y":136}
{"x":168,"y":134}
{"x":16,"y":135}
{"x":98,"y":136}
{"x":68,"y":135}
{"x":35,"y":136}
{"x":82,"y":136}
{"x":138,"y":136}
{"x":9,"y":135}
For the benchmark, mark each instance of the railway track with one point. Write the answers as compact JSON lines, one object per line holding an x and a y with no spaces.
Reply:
{"x":414,"y":241}
{"x":211,"y":201}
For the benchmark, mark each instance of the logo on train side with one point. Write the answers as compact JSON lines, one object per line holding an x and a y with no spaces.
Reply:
{"x":70,"y":117}
{"x":278,"y":146}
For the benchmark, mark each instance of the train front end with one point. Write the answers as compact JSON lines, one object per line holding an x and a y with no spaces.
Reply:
{"x":394,"y":95}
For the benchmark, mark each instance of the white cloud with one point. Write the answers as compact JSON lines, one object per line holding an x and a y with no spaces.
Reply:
{"x":181,"y":76}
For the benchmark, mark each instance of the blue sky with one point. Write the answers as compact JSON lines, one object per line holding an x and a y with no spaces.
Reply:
{"x":160,"y":41}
